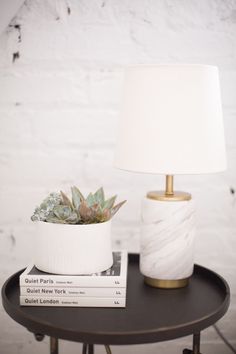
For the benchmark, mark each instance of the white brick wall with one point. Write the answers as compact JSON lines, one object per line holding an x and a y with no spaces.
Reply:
{"x":59,"y":101}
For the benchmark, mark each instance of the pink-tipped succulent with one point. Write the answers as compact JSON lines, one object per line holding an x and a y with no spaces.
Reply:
{"x":58,"y":208}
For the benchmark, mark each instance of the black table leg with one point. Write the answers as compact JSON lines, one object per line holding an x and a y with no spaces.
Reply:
{"x":108,"y":349}
{"x":196,"y":345}
{"x":90,"y":349}
{"x":53,"y":345}
{"x":84,"y":351}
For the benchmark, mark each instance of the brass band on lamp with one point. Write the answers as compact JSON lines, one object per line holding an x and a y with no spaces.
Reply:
{"x":166,"y":284}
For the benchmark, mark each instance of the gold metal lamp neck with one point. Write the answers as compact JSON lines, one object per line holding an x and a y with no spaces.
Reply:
{"x":169,"y":185}
{"x":169,"y":194}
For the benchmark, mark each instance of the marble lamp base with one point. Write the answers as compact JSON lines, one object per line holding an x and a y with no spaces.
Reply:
{"x":167,"y":242}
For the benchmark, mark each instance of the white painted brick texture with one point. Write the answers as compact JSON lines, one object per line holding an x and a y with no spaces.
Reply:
{"x":61,"y":71}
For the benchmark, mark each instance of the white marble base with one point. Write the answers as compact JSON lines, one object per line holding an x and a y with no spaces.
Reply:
{"x":167,"y":239}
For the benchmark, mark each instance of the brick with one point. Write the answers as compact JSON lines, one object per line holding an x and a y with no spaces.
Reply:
{"x":54,"y":87}
{"x":59,"y":105}
{"x":228,"y":87}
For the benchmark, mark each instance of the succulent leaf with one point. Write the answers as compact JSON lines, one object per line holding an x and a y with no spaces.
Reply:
{"x":90,"y":200}
{"x":62,"y":212}
{"x":99,"y":196}
{"x":77,"y":197}
{"x":108,"y":204}
{"x":55,"y":220}
{"x":98,"y":212}
{"x":117,"y":207}
{"x":106,"y":215}
{"x":66,"y":200}
{"x":73,"y":218}
{"x":85,"y":212}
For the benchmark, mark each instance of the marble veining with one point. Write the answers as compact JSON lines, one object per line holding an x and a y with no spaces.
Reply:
{"x":167,"y":239}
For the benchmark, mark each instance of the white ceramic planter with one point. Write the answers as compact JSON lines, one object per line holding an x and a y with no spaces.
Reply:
{"x":167,"y":239}
{"x":72,"y":249}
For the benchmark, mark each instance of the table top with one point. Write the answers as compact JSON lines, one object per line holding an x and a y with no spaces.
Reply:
{"x":151,"y":315}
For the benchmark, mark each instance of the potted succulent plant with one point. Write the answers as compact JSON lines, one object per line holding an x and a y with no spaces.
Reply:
{"x":73,"y":236}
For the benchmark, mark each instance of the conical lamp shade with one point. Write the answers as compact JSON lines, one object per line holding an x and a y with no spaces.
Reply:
{"x":171,"y":120}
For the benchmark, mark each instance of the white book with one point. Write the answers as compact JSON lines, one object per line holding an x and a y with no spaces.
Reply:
{"x":72,"y":301}
{"x":75,"y":291}
{"x":116,"y":276}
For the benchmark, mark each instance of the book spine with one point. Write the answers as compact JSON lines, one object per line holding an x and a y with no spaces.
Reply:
{"x":70,"y":281}
{"x":76,"y":291}
{"x":72,"y":301}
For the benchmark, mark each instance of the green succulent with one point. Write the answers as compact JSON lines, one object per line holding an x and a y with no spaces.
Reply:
{"x":58,"y":208}
{"x":46,"y":207}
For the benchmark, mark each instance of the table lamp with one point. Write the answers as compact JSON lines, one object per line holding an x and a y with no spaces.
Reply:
{"x":171,"y":123}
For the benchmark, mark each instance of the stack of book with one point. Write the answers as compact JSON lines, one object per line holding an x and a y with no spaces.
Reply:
{"x":106,"y":289}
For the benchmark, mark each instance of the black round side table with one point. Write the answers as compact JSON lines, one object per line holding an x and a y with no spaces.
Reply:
{"x":151,"y":315}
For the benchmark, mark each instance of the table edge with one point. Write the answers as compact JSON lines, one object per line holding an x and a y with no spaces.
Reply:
{"x":122,"y":338}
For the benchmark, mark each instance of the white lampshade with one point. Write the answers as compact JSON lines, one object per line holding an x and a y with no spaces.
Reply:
{"x":171,"y":120}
